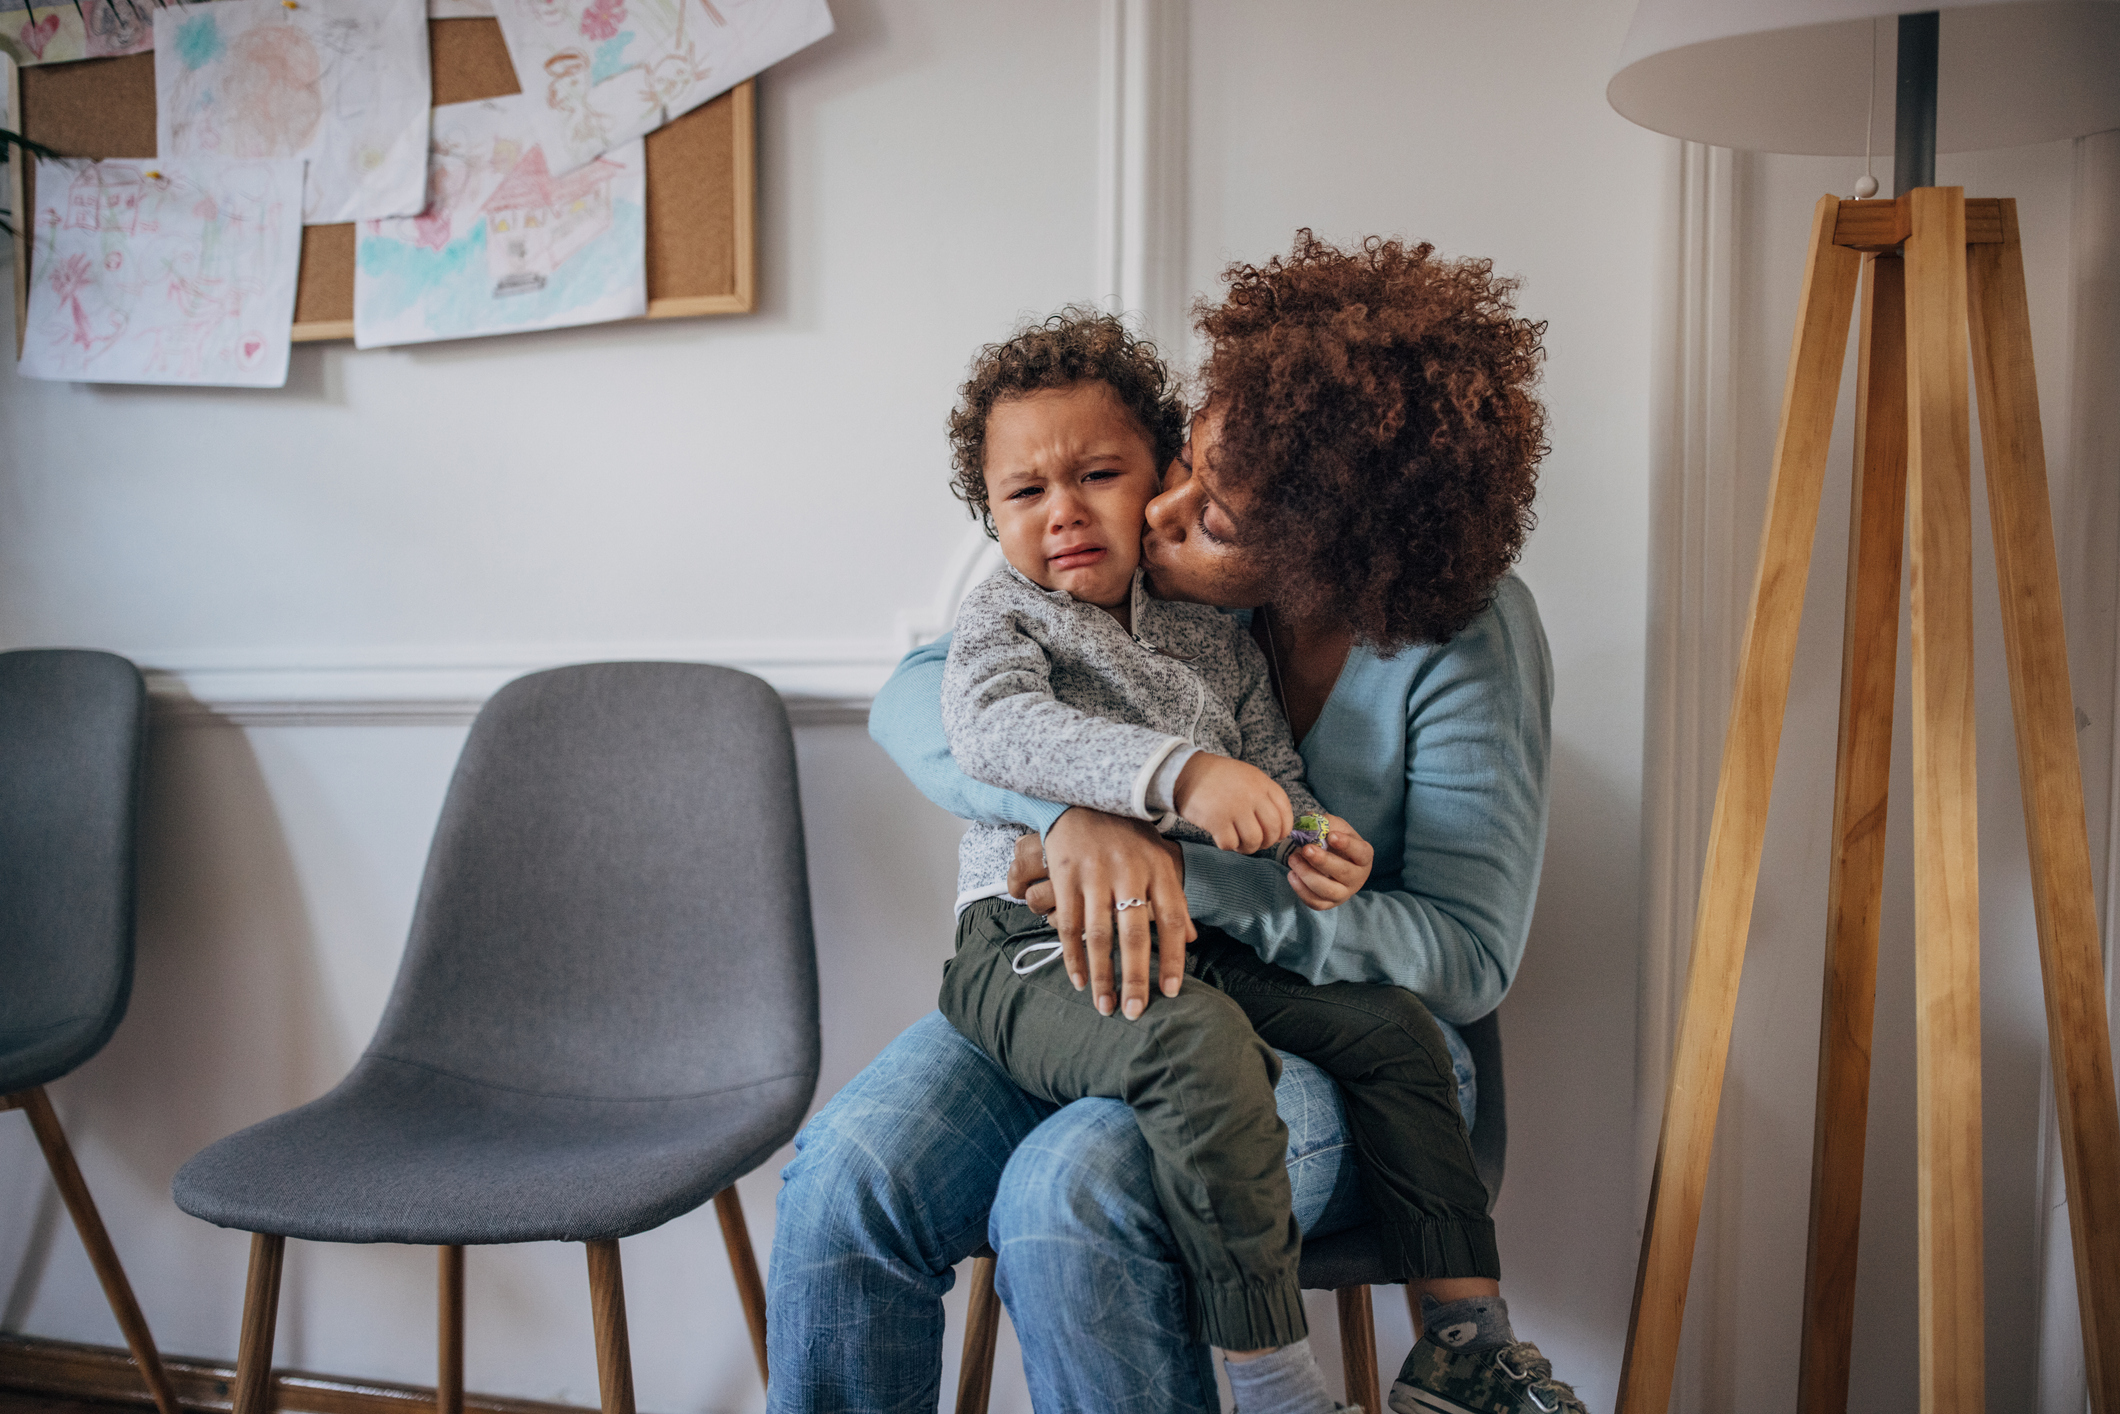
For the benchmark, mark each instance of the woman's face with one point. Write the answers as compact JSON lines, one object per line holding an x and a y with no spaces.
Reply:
{"x":1191,"y":548}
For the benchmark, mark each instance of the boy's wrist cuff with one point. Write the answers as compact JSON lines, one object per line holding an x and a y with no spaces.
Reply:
{"x":1161,"y":795}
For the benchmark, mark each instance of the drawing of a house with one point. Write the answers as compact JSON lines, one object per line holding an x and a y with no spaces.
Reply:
{"x":104,"y":199}
{"x":534,"y":221}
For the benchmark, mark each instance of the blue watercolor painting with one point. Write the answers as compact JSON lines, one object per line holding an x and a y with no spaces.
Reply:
{"x":504,"y":245}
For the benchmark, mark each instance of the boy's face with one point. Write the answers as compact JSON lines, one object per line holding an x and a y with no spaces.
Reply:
{"x":1068,"y":472}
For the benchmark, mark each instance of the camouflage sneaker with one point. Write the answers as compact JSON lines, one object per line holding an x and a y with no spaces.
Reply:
{"x":1502,"y":1379}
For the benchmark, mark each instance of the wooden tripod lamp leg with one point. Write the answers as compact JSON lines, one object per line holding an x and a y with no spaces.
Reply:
{"x":261,"y":1315}
{"x":743,"y":1261}
{"x":607,"y":1312}
{"x":66,"y":1174}
{"x":1868,"y":667}
{"x":1739,"y":824}
{"x":1946,"y":823}
{"x":2078,"y":1034}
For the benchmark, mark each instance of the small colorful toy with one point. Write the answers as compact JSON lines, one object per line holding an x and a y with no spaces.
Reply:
{"x":1310,"y":829}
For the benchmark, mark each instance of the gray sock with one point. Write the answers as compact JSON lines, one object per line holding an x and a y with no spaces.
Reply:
{"x":1284,"y":1381}
{"x":1473,"y":1323}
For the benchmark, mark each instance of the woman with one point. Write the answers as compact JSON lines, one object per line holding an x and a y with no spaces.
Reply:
{"x":1362,"y":479}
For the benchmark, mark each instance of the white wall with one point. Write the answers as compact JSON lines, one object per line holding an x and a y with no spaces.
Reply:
{"x":772,"y":489}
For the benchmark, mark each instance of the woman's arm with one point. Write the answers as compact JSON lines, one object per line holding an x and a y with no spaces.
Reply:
{"x":1452,"y":926}
{"x":906,"y":721}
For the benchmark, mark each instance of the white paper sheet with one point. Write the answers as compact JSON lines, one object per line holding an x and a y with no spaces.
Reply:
{"x":459,"y":9}
{"x":164,"y":271}
{"x":341,"y":83}
{"x":505,"y":244}
{"x":614,"y":70}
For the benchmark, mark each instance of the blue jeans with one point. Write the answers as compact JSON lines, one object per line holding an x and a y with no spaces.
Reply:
{"x":931,"y":1151}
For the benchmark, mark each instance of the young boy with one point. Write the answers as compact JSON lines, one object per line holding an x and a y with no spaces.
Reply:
{"x":1067,"y":681}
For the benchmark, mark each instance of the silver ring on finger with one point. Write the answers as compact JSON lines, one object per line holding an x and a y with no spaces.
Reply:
{"x":1124,"y":904}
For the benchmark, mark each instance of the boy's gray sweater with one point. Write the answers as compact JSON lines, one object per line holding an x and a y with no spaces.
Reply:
{"x":1049,"y":696}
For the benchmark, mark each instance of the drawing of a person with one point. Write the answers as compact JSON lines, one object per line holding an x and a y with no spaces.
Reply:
{"x":567,"y":94}
{"x":347,"y":43}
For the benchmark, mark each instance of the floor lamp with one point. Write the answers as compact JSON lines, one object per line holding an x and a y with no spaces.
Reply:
{"x":1933,"y":274}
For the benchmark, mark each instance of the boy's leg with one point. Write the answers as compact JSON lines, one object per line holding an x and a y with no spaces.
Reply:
{"x":1400,"y":1093}
{"x":1397,"y":1083}
{"x":1087,"y":1261}
{"x":1201,"y":1085}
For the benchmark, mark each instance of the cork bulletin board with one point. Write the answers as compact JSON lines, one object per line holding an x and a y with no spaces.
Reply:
{"x":702,"y":210}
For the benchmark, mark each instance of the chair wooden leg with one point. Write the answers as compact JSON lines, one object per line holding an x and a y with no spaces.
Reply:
{"x":59,"y":1157}
{"x":449,"y":1333}
{"x":1358,"y":1348}
{"x":2078,"y":1033}
{"x":607,"y":1312}
{"x":1946,"y":824}
{"x":1868,"y":667}
{"x":743,"y":1261}
{"x":261,"y":1314}
{"x":1737,"y":830}
{"x":982,"y":1329}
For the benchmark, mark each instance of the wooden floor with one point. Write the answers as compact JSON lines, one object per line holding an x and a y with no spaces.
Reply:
{"x":15,"y":1402}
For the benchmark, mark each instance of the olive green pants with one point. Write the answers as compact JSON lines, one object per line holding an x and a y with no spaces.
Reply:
{"x":1199,"y":1071}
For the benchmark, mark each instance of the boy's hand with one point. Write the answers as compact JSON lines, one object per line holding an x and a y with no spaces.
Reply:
{"x":1326,"y":876}
{"x":1239,"y":804}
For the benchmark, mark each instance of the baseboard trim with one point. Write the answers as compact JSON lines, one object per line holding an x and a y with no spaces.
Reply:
{"x":106,"y":1375}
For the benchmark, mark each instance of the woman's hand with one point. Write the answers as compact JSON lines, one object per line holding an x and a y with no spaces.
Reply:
{"x":1089,"y":862}
{"x":1326,"y":876}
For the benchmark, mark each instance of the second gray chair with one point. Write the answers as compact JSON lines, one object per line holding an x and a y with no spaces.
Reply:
{"x":605,"y":1015}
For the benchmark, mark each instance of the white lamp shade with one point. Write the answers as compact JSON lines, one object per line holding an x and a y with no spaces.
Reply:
{"x":1795,"y":75}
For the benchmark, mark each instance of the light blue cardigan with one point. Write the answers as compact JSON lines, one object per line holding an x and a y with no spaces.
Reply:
{"x":1437,"y":756}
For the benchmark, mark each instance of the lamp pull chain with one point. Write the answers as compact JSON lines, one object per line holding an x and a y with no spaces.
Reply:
{"x":1866,"y":186}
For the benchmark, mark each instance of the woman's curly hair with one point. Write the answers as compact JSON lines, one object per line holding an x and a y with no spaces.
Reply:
{"x":1080,"y":344}
{"x":1379,"y":429}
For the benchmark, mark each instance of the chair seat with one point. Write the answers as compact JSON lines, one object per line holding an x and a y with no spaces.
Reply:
{"x":400,"y":1152}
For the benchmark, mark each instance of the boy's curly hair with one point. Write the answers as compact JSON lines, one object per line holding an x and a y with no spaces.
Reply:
{"x":1080,"y":344}
{"x":1380,"y":429}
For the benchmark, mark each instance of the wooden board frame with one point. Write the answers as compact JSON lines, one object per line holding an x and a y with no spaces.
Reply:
{"x":702,"y":212}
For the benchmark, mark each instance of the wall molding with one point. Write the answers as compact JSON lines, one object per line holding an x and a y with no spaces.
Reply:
{"x":824,"y":684}
{"x":1141,"y":165}
{"x":1698,"y":565}
{"x":102,"y":1374}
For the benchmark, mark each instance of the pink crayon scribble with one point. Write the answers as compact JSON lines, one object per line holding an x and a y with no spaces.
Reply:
{"x":68,"y":280}
{"x":602,"y":19}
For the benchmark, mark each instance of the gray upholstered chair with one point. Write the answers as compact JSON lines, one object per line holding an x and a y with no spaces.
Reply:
{"x":605,"y":1015}
{"x":73,"y":735}
{"x":1344,"y":1263}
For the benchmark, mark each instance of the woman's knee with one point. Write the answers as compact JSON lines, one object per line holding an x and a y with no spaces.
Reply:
{"x":1083,"y":1177}
{"x":889,"y":1165}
